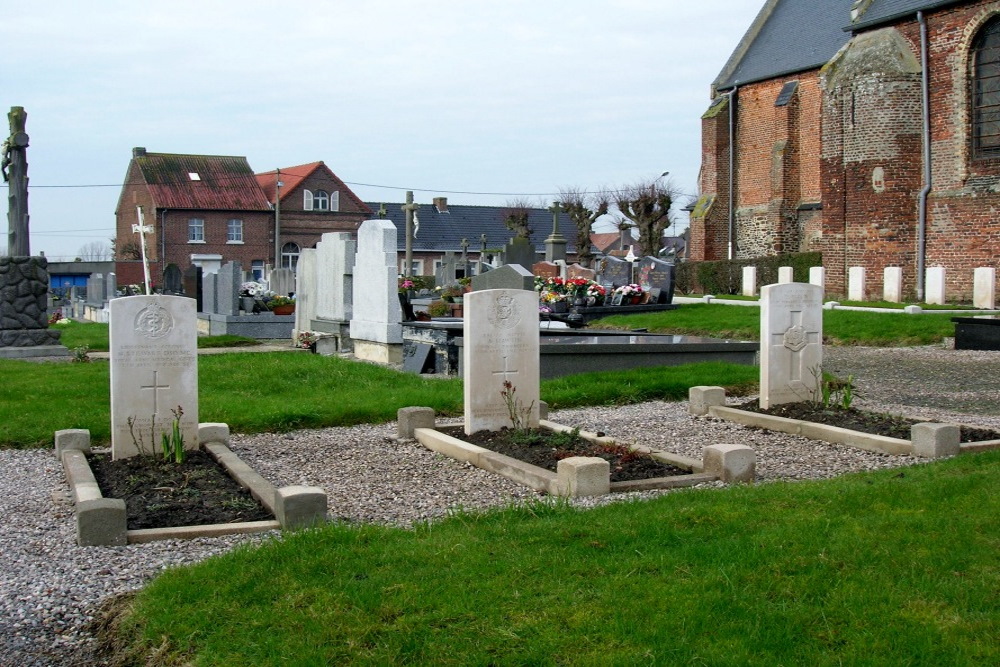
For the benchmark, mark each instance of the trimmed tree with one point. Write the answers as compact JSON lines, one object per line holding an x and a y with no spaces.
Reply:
{"x":646,"y":206}
{"x":516,"y":215}
{"x":583,"y":209}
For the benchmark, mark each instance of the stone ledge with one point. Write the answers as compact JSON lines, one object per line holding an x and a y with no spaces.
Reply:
{"x":547,"y":481}
{"x":98,"y":517}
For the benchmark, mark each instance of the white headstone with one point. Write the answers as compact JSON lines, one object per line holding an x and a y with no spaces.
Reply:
{"x":749,"y":281}
{"x":791,"y":343}
{"x":377,"y":314}
{"x":817,"y":276}
{"x":335,"y":256}
{"x":500,"y":344}
{"x":934,"y":285}
{"x":984,"y":280}
{"x":305,"y":291}
{"x":856,"y":284}
{"x":154,"y":370}
{"x":786,"y":274}
{"x":892,"y":290}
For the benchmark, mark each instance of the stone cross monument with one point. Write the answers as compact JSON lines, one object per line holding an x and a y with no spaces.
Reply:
{"x":555,"y":245}
{"x":410,"y":209}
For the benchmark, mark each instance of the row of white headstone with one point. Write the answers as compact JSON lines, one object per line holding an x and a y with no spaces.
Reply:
{"x":983,"y":284}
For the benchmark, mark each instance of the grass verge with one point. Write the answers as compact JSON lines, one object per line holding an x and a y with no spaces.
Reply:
{"x":94,"y":336}
{"x":281,"y":391}
{"x":887,"y":568}
{"x":843,"y":327}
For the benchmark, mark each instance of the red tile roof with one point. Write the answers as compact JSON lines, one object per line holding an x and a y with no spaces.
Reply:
{"x":223,"y":182}
{"x":292,"y":177}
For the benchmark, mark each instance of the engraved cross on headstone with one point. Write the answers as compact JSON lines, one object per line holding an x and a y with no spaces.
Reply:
{"x":506,"y":370}
{"x":795,"y":339}
{"x":155,"y":386}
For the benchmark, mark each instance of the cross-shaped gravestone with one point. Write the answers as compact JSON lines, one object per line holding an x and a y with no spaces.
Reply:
{"x":154,"y":370}
{"x":791,"y":348}
{"x":500,"y":348}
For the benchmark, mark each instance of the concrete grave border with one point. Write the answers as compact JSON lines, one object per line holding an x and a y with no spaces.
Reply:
{"x":101,"y":521}
{"x":927,"y":440}
{"x":578,"y":476}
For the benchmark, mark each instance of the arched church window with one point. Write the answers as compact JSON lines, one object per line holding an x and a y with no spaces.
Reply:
{"x":986,"y":91}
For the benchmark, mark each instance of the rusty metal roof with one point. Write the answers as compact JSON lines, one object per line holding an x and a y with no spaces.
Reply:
{"x":213,"y":182}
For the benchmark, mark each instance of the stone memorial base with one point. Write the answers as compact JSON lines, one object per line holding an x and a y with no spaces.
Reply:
{"x":380,"y":353}
{"x":977,"y":333}
{"x":264,"y":326}
{"x":33,"y":352}
{"x":338,"y":330}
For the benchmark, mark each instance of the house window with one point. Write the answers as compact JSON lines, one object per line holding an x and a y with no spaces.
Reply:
{"x":196,"y":230}
{"x":335,"y":200}
{"x":986,"y":91}
{"x":307,"y":200}
{"x":290,"y":256}
{"x":321,"y":201}
{"x":234,"y":231}
{"x":257,"y":269}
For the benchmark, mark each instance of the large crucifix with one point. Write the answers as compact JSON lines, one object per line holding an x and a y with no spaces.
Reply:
{"x":14,"y":167}
{"x":555,"y":245}
{"x":410,"y":209}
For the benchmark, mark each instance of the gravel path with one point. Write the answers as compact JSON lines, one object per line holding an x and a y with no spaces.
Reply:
{"x":49,"y":586}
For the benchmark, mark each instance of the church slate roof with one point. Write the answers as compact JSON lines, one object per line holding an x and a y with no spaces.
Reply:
{"x":788,"y":36}
{"x":442,"y":231}
{"x":887,"y":11}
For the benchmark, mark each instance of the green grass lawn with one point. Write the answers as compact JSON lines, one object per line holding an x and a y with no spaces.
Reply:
{"x":887,"y":568}
{"x":840,"y":327}
{"x":94,"y":336}
{"x":280,"y":391}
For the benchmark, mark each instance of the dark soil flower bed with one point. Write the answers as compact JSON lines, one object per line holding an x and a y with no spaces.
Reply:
{"x":892,"y":426}
{"x":163,"y":494}
{"x":544,"y":448}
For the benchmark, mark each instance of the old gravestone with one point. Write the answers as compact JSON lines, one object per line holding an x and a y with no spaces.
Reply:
{"x":192,"y":285}
{"x":376,"y":327}
{"x":24,"y":319}
{"x":655,"y":274}
{"x":173,"y":280}
{"x":500,"y":345}
{"x":791,"y":343}
{"x":574,"y":271}
{"x":520,"y":251}
{"x":154,"y":371}
{"x":305,"y":291}
{"x":546,"y":269}
{"x":508,"y":276}
{"x":96,"y":289}
{"x":447,"y":272}
{"x":282,"y":282}
{"x":614,"y":271}
{"x":209,"y":291}
{"x":227,"y":289}
{"x":335,"y":258}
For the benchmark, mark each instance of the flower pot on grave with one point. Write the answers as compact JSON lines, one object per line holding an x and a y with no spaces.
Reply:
{"x":559,"y":307}
{"x":246,"y":303}
{"x":634,"y":300}
{"x":286,"y":309}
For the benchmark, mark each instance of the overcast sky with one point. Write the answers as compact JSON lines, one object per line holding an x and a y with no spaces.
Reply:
{"x":444,"y":97}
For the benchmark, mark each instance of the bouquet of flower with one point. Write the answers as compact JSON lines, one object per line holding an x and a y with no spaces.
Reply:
{"x":551,"y":297}
{"x":253,"y":289}
{"x":406,"y":283}
{"x":629,"y":290}
{"x":595,"y":290}
{"x":305,"y":339}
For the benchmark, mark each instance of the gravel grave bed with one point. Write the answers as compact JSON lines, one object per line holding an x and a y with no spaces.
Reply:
{"x":50,"y":587}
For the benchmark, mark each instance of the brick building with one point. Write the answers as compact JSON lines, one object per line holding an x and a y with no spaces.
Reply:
{"x":837,"y":138}
{"x":206,"y":210}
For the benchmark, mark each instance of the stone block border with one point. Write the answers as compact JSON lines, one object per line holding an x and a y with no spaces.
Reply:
{"x":101,"y":521}
{"x":578,"y":476}
{"x":927,"y":440}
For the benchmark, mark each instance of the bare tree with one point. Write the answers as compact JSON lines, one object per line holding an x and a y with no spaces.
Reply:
{"x":516,"y":215}
{"x":95,"y":251}
{"x":583,"y":209}
{"x":646,"y":205}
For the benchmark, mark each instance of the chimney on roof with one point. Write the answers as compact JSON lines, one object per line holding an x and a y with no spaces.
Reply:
{"x":139,"y":151}
{"x":441,"y":203}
